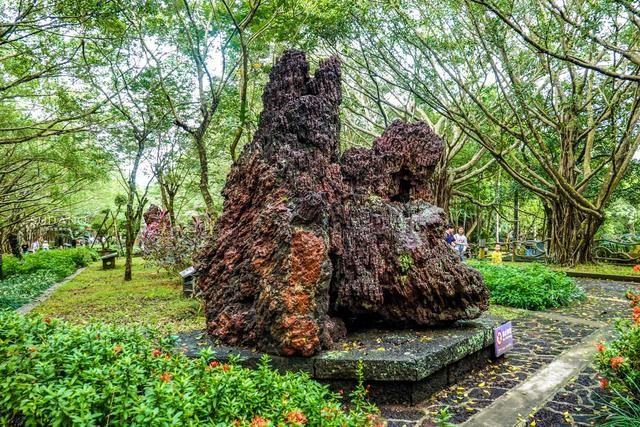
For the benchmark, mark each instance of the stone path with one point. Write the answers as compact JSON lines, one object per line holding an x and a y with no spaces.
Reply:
{"x":547,"y":380}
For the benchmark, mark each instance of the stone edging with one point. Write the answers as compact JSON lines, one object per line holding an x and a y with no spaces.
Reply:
{"x":47,"y":293}
{"x":600,"y":276}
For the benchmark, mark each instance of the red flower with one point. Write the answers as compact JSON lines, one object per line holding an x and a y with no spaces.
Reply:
{"x":636,"y":268}
{"x":600,"y":347}
{"x":214,"y":364}
{"x":258,"y":421}
{"x":604,"y":383}
{"x":117,"y":349}
{"x":296,"y":417}
{"x":226,"y":367}
{"x":633,"y":303}
{"x":156,"y":352}
{"x":47,"y":320}
{"x":341,"y":391}
{"x":636,"y":315}
{"x":616,"y":362}
{"x":166,"y":377}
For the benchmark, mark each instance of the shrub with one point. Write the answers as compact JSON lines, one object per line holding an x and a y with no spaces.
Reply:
{"x":60,"y":262}
{"x":170,"y":247}
{"x":619,"y":366}
{"x":533,"y":287}
{"x":53,"y":373}
{"x":22,"y":289}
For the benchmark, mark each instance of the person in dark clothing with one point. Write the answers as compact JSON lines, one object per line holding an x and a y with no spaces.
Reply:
{"x":449,"y":236}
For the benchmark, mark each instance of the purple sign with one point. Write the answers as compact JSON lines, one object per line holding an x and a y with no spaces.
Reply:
{"x":503,"y":339}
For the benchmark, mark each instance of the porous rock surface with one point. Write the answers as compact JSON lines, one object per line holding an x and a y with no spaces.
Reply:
{"x":310,"y":241}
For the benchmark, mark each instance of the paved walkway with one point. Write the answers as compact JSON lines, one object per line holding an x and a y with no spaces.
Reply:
{"x":548,"y":379}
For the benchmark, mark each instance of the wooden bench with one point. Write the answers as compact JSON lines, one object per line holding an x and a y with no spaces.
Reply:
{"x":109,"y":261}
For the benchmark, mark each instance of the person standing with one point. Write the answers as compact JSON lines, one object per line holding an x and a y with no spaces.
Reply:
{"x":460,"y":243}
{"x":449,"y":237}
{"x":35,"y":246}
{"x":496,"y":255}
{"x":45,"y":245}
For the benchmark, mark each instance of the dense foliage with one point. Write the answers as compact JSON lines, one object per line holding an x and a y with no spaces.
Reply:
{"x":52,"y":373}
{"x":59,"y":262}
{"x":28,"y":277}
{"x":533,"y":286}
{"x":619,"y":366}
{"x":22,"y":289}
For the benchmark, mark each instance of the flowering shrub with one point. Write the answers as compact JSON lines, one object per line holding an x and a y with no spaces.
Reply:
{"x":53,"y":373}
{"x":619,"y":362}
{"x":169,"y":247}
{"x":636,"y":268}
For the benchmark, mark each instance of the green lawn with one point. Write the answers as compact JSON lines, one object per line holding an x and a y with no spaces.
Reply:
{"x":507,"y":313}
{"x":619,"y":270}
{"x":152,"y":299}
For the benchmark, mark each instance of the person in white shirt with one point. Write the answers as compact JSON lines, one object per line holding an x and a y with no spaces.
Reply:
{"x":45,"y":245}
{"x":461,"y":244}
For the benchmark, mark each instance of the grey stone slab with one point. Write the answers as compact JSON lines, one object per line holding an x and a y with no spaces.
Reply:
{"x":386,"y":355}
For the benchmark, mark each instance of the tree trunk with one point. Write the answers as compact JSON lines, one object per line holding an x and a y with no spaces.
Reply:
{"x":571,"y":233}
{"x":168,"y":195}
{"x":516,"y":216}
{"x":130,"y":214}
{"x":443,"y":189}
{"x":14,"y":244}
{"x":129,"y":235}
{"x":204,"y":173}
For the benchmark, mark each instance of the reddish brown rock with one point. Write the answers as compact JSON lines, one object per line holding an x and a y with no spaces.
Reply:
{"x":308,"y":239}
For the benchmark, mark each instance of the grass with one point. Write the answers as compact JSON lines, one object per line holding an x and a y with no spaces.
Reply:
{"x":507,"y":313}
{"x":619,"y":270}
{"x":152,"y":298}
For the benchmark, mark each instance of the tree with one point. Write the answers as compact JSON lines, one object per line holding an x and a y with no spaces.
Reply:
{"x":610,"y":27}
{"x":173,"y":170}
{"x":208,"y":35}
{"x":371,"y":102}
{"x":39,"y":45}
{"x":137,"y":111}
{"x":575,"y":129}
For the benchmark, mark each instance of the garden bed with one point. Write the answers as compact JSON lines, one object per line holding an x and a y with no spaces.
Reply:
{"x":28,"y":278}
{"x":54,"y":373}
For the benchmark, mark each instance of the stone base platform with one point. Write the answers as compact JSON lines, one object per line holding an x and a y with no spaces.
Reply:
{"x":402,"y":366}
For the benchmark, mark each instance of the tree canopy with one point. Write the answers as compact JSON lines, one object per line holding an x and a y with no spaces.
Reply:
{"x":538,"y":103}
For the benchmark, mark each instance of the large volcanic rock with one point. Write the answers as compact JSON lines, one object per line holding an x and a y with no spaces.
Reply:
{"x":309,"y":239}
